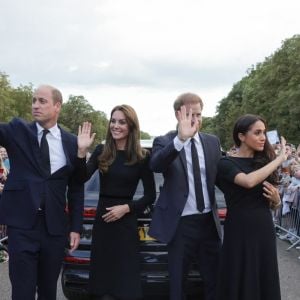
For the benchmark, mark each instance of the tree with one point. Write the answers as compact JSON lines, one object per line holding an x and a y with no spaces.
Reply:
{"x":5,"y":100}
{"x":15,"y":102}
{"x":77,"y":110}
{"x":208,"y":125}
{"x":270,"y":89}
{"x":145,"y":136}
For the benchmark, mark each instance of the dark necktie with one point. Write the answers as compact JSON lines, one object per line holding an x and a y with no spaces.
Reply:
{"x":45,"y":162}
{"x":197,"y":177}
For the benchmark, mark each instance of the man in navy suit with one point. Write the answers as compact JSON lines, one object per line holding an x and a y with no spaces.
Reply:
{"x":33,"y":203}
{"x":190,"y":232}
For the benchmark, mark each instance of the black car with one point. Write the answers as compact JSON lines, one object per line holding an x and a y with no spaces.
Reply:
{"x":153,"y":254}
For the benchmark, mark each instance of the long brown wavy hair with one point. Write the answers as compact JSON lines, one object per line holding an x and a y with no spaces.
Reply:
{"x":261,"y":158}
{"x":134,"y":152}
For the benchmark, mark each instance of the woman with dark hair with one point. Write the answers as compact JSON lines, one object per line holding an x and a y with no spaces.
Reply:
{"x":249,"y":269}
{"x":122,"y":162}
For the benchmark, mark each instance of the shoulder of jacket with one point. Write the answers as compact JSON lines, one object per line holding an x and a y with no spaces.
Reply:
{"x":208,"y":135}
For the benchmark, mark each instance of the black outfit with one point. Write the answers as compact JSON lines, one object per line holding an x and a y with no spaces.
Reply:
{"x":115,"y":266}
{"x":249,"y":269}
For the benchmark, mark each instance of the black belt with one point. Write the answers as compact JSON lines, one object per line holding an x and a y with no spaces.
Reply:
{"x":198,"y":216}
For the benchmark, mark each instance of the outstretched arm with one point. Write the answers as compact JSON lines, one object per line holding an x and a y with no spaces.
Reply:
{"x":252,"y":179}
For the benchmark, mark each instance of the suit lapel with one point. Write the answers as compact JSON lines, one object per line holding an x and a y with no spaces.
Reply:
{"x":183,"y":161}
{"x":182,"y":157}
{"x":66,"y":143}
{"x":206,"y":153}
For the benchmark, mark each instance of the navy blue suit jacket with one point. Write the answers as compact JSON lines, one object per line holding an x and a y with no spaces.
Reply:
{"x":173,"y":195}
{"x":27,"y":184}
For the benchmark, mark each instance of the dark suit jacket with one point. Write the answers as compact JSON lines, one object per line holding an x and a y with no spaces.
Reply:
{"x":173,"y":196}
{"x":27,"y":184}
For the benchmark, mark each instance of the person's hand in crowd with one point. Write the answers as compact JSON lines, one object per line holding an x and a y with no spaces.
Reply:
{"x":115,"y":213}
{"x":1,"y":187}
{"x":85,"y":138}
{"x":3,"y":176}
{"x":282,"y":151}
{"x":185,"y":127}
{"x":74,"y":241}
{"x":271,"y":192}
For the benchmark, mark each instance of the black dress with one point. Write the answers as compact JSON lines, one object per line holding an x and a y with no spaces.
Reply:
{"x":115,"y":265}
{"x":249,"y":269}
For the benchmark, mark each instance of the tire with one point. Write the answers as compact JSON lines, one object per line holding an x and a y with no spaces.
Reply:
{"x":73,"y":295}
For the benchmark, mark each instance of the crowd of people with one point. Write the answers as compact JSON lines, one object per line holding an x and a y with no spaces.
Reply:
{"x":289,"y":214}
{"x":45,"y":162}
{"x":4,"y":170}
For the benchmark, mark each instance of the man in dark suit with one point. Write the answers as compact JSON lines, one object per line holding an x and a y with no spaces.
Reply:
{"x":33,"y":204}
{"x":185,"y":215}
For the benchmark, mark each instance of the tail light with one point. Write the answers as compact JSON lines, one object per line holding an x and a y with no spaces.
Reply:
{"x":77,"y":260}
{"x":222,"y":213}
{"x":89,"y":212}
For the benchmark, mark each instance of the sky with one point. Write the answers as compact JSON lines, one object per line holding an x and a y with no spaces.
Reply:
{"x":141,"y":52}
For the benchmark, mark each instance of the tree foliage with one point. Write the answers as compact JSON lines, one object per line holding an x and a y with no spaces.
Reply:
{"x":77,"y":110}
{"x":270,"y":89}
{"x":14,"y":102}
{"x":145,"y":135}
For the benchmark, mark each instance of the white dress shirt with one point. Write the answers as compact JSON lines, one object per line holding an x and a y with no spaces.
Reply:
{"x":56,"y":151}
{"x":191,"y":205}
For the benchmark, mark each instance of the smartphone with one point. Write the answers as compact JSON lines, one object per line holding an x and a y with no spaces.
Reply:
{"x":273,"y":137}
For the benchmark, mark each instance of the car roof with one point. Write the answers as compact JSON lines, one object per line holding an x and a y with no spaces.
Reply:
{"x":147,"y":143}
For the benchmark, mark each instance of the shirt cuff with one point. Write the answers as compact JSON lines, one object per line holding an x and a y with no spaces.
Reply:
{"x":178,"y":144}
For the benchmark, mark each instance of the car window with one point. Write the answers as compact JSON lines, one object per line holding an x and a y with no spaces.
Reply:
{"x":92,"y":185}
{"x":159,"y":179}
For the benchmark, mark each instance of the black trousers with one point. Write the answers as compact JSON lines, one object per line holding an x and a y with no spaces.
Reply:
{"x":196,"y":238}
{"x":35,"y":259}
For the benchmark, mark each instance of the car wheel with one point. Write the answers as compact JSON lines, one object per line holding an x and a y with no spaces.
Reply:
{"x":73,"y":295}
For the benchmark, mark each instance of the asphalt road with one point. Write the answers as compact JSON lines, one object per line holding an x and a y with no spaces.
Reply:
{"x":289,"y":268}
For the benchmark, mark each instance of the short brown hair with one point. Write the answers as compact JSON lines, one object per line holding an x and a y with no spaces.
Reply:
{"x":57,"y":96}
{"x":187,"y":98}
{"x":56,"y":93}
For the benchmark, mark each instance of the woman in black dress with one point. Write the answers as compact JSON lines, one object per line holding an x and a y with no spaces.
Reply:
{"x":115,"y":269}
{"x":249,"y":269}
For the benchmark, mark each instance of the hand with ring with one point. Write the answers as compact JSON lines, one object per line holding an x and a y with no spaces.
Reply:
{"x":115,"y":213}
{"x":272,"y":194}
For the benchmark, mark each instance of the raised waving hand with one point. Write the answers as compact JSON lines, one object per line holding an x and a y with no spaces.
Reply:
{"x":186,"y":128}
{"x":85,"y":138}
